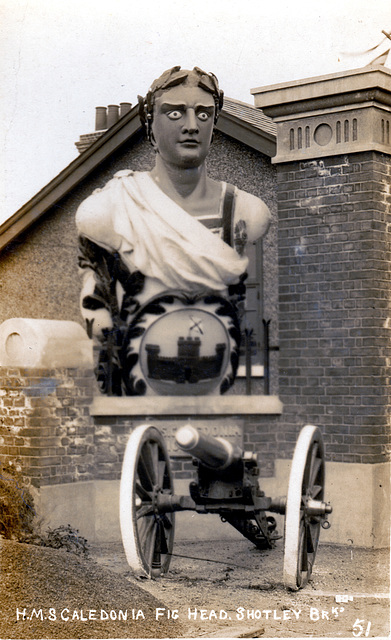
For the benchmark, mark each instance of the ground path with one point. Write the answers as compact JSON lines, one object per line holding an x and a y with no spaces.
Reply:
{"x":239,"y":594}
{"x":245,"y":584}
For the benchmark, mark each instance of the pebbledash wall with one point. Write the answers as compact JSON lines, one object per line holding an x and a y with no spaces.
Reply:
{"x":334,"y":170}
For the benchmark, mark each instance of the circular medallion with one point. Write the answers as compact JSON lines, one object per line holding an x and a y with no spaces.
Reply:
{"x":323,"y":134}
{"x":184,"y":348}
{"x":185,"y":352}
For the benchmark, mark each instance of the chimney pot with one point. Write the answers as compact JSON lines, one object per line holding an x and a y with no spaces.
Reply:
{"x":100,"y":118}
{"x":112,"y":114}
{"x":124,"y":107}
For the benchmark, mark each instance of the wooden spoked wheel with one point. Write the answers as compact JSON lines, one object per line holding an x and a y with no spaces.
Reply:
{"x":147,"y":533}
{"x":303,"y":506}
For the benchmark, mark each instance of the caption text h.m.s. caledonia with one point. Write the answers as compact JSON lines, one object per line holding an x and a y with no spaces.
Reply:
{"x":66,"y":614}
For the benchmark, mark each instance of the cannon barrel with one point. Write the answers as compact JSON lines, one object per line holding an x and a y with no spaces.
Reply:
{"x":216,"y":453}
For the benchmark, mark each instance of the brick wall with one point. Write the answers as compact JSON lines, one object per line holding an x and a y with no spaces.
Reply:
{"x":334,"y":303}
{"x":46,"y":428}
{"x":112,"y":433}
{"x":45,"y":425}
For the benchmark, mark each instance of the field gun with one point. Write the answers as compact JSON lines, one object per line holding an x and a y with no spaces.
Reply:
{"x":227,"y":485}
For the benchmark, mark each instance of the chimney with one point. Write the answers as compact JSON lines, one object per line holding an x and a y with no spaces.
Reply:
{"x":105,"y":117}
{"x":100,"y":118}
{"x":112,"y":115}
{"x":124,"y":108}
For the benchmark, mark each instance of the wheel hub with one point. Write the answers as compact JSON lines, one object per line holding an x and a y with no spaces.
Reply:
{"x":316,"y":507}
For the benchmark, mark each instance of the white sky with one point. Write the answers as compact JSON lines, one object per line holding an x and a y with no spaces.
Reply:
{"x":59,"y":59}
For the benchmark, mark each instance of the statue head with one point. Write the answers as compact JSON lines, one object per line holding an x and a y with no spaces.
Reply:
{"x":172,"y":78}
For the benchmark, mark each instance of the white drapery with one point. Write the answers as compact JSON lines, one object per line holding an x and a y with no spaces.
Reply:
{"x":156,"y":236}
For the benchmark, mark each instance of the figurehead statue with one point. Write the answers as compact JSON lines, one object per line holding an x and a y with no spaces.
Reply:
{"x":163,"y":253}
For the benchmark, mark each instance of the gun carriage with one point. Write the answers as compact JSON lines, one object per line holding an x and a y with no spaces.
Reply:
{"x":227,"y":485}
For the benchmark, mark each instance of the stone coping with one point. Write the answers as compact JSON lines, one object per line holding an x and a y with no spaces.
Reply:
{"x":185,"y":405}
{"x":355,"y":80}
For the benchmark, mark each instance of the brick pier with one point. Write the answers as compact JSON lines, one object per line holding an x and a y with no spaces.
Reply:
{"x":334,"y":193}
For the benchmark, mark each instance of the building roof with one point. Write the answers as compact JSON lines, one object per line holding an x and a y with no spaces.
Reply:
{"x":239,"y":120}
{"x":251,"y":115}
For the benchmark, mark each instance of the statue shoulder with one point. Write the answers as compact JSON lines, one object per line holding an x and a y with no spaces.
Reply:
{"x":94,"y":211}
{"x":94,"y":215}
{"x":253,"y":212}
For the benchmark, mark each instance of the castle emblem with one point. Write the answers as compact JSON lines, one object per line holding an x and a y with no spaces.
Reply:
{"x":187,"y":366}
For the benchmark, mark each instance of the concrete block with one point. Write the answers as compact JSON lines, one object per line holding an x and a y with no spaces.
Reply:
{"x":29,"y":342}
{"x":63,"y":504}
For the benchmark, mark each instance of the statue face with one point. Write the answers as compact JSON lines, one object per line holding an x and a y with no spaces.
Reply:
{"x":183,"y":125}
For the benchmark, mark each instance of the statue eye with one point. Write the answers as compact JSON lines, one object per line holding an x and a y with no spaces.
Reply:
{"x":174,"y":115}
{"x":203,"y":116}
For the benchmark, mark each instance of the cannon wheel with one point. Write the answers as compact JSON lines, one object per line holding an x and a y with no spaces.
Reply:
{"x":306,"y":480}
{"x":147,"y":535}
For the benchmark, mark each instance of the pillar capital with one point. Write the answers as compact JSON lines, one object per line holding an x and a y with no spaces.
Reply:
{"x":341,"y":113}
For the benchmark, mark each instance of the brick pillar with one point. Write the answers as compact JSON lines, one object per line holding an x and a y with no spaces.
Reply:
{"x":334,"y":176}
{"x":334,"y":300}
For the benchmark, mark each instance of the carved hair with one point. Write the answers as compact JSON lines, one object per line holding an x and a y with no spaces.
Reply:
{"x":171,"y":78}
